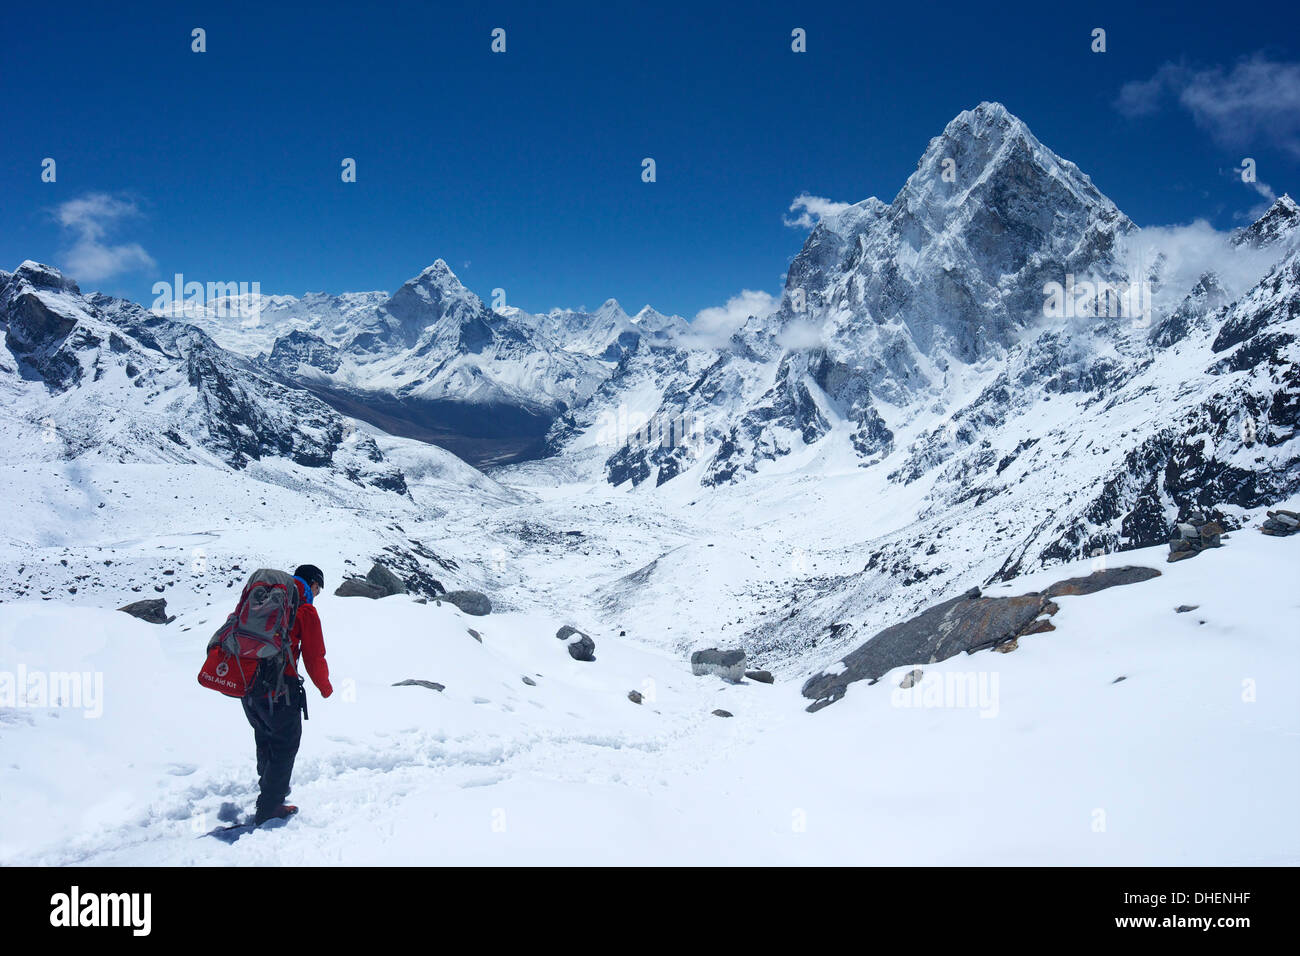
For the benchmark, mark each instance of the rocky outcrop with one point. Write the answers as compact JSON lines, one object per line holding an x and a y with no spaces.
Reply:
{"x":378,"y":582}
{"x":1100,"y":580}
{"x":967,"y":623}
{"x":412,"y":682}
{"x":385,"y":580}
{"x":357,"y":587}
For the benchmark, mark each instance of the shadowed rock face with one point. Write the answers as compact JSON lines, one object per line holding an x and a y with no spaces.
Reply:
{"x":968,"y":623}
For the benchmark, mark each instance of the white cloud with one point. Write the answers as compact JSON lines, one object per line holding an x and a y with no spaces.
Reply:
{"x":1187,"y":252}
{"x":1258,"y":100}
{"x":717,"y":323}
{"x":812,"y":209}
{"x":90,"y":218}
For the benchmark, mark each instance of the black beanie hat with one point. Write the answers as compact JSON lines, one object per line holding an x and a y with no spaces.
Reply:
{"x":311,"y":574}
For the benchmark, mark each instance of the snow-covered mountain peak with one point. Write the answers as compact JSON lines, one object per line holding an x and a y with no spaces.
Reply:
{"x":988,"y":156}
{"x":438,"y":273}
{"x":1279,"y":224}
{"x":431,"y":310}
{"x":610,"y":310}
{"x":42,"y":276}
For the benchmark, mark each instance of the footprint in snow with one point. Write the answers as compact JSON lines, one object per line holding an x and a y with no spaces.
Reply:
{"x":181,"y":769}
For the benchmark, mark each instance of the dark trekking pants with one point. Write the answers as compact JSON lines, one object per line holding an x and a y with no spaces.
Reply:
{"x":277,"y":731}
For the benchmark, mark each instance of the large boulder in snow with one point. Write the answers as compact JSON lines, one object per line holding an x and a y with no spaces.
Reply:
{"x":471,"y":602}
{"x":729,"y":665}
{"x":385,"y":580}
{"x":357,"y":587}
{"x":153,"y":611}
{"x":967,"y":623}
{"x":582,"y":648}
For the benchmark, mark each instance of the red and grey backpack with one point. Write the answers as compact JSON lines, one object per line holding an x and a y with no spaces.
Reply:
{"x":257,"y":632}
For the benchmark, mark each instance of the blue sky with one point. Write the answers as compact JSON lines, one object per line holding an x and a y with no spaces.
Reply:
{"x":523,"y":170}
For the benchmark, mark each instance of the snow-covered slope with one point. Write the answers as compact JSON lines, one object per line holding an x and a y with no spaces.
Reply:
{"x":1131,"y":735}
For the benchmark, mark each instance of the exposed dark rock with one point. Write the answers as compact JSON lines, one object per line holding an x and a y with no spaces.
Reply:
{"x":357,"y":587}
{"x":1184,"y":608}
{"x":729,"y":665}
{"x":153,"y":611}
{"x":471,"y":602}
{"x":1189,"y":538}
{"x":432,"y":685}
{"x":967,"y":623}
{"x":1281,"y":523}
{"x":722,"y":713}
{"x":763,"y":677}
{"x":582,"y":648}
{"x":567,"y":631}
{"x":529,"y":681}
{"x":384,"y":580}
{"x":1100,"y":580}
{"x":634,"y":696}
{"x":475,"y":634}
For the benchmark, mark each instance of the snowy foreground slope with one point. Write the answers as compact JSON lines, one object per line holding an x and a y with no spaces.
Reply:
{"x":1190,"y":759}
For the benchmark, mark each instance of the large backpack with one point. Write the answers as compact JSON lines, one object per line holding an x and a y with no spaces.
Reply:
{"x":256,"y":633}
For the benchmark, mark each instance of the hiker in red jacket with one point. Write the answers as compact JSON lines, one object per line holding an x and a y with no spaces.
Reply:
{"x":277,"y":717}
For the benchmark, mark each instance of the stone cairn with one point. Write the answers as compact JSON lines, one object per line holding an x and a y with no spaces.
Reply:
{"x":1281,"y":523}
{"x":1189,"y":538}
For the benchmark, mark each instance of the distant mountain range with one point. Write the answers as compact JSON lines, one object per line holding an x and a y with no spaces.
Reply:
{"x":1000,"y":346}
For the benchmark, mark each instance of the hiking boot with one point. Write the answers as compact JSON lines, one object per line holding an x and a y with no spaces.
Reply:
{"x":286,"y":810}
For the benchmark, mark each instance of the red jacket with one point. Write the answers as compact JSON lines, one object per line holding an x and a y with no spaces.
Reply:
{"x":306,"y":639}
